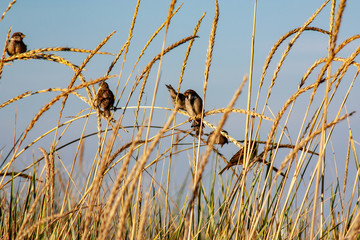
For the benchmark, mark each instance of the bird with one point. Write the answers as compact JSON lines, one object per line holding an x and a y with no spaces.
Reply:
{"x":16,"y":44}
{"x":221,"y":139}
{"x":194,"y":107}
{"x":180,"y":97}
{"x":238,"y":158}
{"x":105,"y":98}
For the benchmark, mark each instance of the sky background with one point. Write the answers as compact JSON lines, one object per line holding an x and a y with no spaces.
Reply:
{"x":84,"y":24}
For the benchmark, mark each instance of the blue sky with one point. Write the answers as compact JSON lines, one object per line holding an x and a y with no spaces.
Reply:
{"x":84,"y":24}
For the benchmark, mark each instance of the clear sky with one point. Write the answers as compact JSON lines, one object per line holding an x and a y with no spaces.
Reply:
{"x":84,"y":24}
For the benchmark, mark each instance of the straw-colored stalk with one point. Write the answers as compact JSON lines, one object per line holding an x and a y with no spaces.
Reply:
{"x":49,"y":57}
{"x":29,"y":93}
{"x":50,"y":174}
{"x":4,"y":51}
{"x":143,"y":217}
{"x":14,"y":174}
{"x":7,"y":9}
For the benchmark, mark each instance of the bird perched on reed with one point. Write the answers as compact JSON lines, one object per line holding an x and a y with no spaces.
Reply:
{"x":194,"y":107}
{"x":180,"y":97}
{"x":105,"y":98}
{"x":221,"y":139}
{"x":238,"y":158}
{"x":16,"y":44}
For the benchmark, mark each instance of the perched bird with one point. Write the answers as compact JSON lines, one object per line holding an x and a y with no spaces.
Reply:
{"x":194,"y":107}
{"x":180,"y":97}
{"x":238,"y":158}
{"x":105,"y":98}
{"x":16,"y":44}
{"x":221,"y":139}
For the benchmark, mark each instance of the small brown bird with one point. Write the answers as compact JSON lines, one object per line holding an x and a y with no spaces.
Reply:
{"x":221,"y":139}
{"x":105,"y":98}
{"x":180,"y":97}
{"x":238,"y":158}
{"x":194,"y":107}
{"x":16,"y":44}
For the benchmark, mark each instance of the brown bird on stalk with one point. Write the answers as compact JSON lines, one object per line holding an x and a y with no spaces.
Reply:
{"x":105,"y":98}
{"x":221,"y":139}
{"x":180,"y":97}
{"x":238,"y":158}
{"x":194,"y":107}
{"x":16,"y":44}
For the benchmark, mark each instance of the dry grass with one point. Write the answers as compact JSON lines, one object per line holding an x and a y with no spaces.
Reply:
{"x":124,"y":192}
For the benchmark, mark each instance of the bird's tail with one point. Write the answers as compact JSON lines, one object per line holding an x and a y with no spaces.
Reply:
{"x":224,"y":169}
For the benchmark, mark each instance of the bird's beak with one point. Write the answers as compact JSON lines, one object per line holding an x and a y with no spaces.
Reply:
{"x":22,"y":35}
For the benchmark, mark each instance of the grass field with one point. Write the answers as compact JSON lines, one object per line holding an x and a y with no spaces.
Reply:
{"x":128,"y":185}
